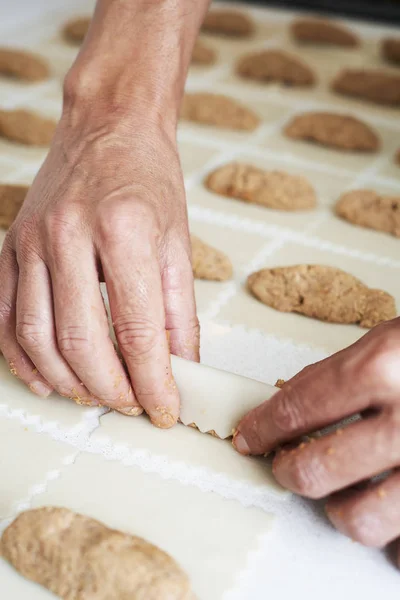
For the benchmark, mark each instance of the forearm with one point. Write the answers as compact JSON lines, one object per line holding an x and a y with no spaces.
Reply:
{"x":135,"y":58}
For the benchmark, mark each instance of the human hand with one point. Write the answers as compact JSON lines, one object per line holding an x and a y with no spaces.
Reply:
{"x":363,"y":377}
{"x":109,"y":200}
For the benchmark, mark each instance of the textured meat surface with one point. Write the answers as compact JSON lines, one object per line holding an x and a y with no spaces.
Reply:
{"x":218,"y":110}
{"x":76,"y":29}
{"x":273,"y":189}
{"x":333,"y":130}
{"x":375,"y":86}
{"x":228,"y":22}
{"x":208,"y":262}
{"x":391,"y":50}
{"x":79,"y":558}
{"x":369,"y":209}
{"x":321,"y":31}
{"x":26,"y":127}
{"x":23,"y":65}
{"x":275,"y":65}
{"x":322,"y":292}
{"x":202,"y":54}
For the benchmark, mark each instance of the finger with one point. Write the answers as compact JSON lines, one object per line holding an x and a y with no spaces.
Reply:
{"x":338,"y":460}
{"x":36,"y":332}
{"x":180,"y":306}
{"x":137,"y":309}
{"x":343,"y":385}
{"x":371,"y":516}
{"x":81,"y":322}
{"x":19,"y":363}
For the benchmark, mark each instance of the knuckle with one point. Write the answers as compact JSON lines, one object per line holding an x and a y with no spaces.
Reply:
{"x":286,"y":410}
{"x":307,"y":476}
{"x":26,"y":239}
{"x":122,"y":219}
{"x":145,"y":215}
{"x":137,"y":338}
{"x":307,"y":371}
{"x":189,"y":327}
{"x":75,"y":340}
{"x":32,"y":333}
{"x":155,"y":393}
{"x":381,"y":363}
{"x":60,"y":227}
{"x":113,"y":222}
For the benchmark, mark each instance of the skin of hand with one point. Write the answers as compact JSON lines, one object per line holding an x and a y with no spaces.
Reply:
{"x":109,"y":202}
{"x":361,"y":379}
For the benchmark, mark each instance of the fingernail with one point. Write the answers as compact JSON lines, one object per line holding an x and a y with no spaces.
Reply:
{"x":85,"y":402}
{"x":164,"y":422}
{"x":162,"y":417}
{"x":13,"y":370}
{"x":90,"y":401}
{"x":240,"y":444}
{"x":40,"y":389}
{"x":131,"y":411}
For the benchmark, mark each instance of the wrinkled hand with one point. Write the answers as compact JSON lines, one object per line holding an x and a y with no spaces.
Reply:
{"x":363,"y":377}
{"x":108,"y":200}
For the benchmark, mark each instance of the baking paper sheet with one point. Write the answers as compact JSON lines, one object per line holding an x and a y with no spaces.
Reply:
{"x":216,"y":400}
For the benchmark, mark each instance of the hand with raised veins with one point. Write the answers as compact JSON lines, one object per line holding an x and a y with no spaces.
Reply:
{"x":109,"y":201}
{"x":361,"y":379}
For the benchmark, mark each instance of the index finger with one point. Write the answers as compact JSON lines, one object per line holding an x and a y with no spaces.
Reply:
{"x":336,"y":388}
{"x":137,"y":311}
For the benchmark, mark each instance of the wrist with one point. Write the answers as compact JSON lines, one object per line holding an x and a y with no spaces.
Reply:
{"x":134,"y":61}
{"x":100,"y":103}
